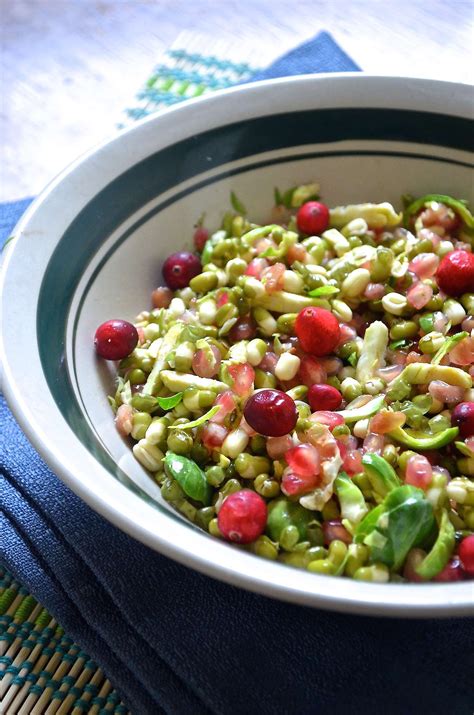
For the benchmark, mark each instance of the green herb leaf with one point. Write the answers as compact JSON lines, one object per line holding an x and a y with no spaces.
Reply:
{"x":199,"y":421}
{"x":323,"y":290}
{"x":237,"y":205}
{"x":404,"y":520}
{"x":167,"y":403}
{"x":189,"y":476}
{"x":352,"y":359}
{"x":438,"y":557}
{"x":382,"y":476}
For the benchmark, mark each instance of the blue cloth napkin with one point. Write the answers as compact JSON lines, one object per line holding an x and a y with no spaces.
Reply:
{"x":173,"y":641}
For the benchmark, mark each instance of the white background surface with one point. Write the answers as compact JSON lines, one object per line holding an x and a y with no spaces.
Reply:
{"x":70,"y":67}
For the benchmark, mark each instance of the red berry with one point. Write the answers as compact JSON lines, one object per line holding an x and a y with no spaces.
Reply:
{"x":313,"y":218}
{"x":463,"y":417}
{"x":271,"y":412}
{"x":200,"y":237}
{"x":242,"y":517}
{"x":455,"y":274}
{"x":115,"y":339}
{"x":179,"y":268}
{"x":324,"y":397}
{"x":453,"y":571}
{"x":318,"y":331}
{"x":466,"y":554}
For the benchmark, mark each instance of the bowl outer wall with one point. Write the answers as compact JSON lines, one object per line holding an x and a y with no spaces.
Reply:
{"x":27,"y":391}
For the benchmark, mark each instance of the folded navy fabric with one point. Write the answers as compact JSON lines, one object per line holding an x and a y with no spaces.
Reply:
{"x":174,"y":641}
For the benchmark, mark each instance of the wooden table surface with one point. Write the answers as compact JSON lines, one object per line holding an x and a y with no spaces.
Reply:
{"x":70,"y":67}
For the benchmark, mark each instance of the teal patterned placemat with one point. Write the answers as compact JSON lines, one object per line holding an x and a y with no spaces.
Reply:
{"x":41,"y":669}
{"x":185,"y":72}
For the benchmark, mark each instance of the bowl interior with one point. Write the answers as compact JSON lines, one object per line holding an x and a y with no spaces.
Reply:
{"x":109,"y":224}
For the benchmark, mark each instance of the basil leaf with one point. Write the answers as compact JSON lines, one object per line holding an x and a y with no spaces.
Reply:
{"x":167,"y":403}
{"x":403,"y":520}
{"x":237,"y":205}
{"x":323,"y":290}
{"x":189,"y":476}
{"x":199,"y":421}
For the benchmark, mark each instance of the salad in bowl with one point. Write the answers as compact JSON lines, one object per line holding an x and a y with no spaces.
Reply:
{"x":304,"y":389}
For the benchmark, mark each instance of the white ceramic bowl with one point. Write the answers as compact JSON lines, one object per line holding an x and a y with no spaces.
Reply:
{"x":91,"y":248}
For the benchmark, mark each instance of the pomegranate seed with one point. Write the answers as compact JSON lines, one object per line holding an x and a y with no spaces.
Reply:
{"x":277,"y":446}
{"x":180,"y":268}
{"x":374,"y":291}
{"x":450,"y":394}
{"x":263,"y":245}
{"x":466,"y":554}
{"x":303,"y":460}
{"x":311,"y":371}
{"x":222,"y":299}
{"x":373,"y":443}
{"x":334,"y":530}
{"x":271,"y":412}
{"x":386,"y":422}
{"x":213,"y":435}
{"x":463,"y":417}
{"x":453,"y":571}
{"x":441,"y":216}
{"x":352,"y":462}
{"x":424,"y":265}
{"x":419,"y":295}
{"x":413,"y":560}
{"x":203,"y":365}
{"x":200,"y":237}
{"x":244,"y":329}
{"x":244,"y":425}
{"x":418,"y":472}
{"x":296,"y":484}
{"x":324,"y":397}
{"x":312,"y":218}
{"x":243,"y":375}
{"x":455,"y":274}
{"x":226,"y":402}
{"x":463,"y":352}
{"x":331,"y":365}
{"x":330,"y":419}
{"x":256,"y":267}
{"x":297,"y":252}
{"x":318,"y":330}
{"x":124,"y":420}
{"x":242,"y":517}
{"x":268,"y":362}
{"x":413,"y":356}
{"x":161,"y":297}
{"x":115,"y":339}
{"x":468,"y":324}
{"x":141,"y":335}
{"x":272,"y":277}
{"x":347,"y":332}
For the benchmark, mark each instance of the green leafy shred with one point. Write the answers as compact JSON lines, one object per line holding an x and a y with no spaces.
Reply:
{"x":237,"y":205}
{"x":167,"y":403}
{"x":323,"y":290}
{"x":199,"y":421}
